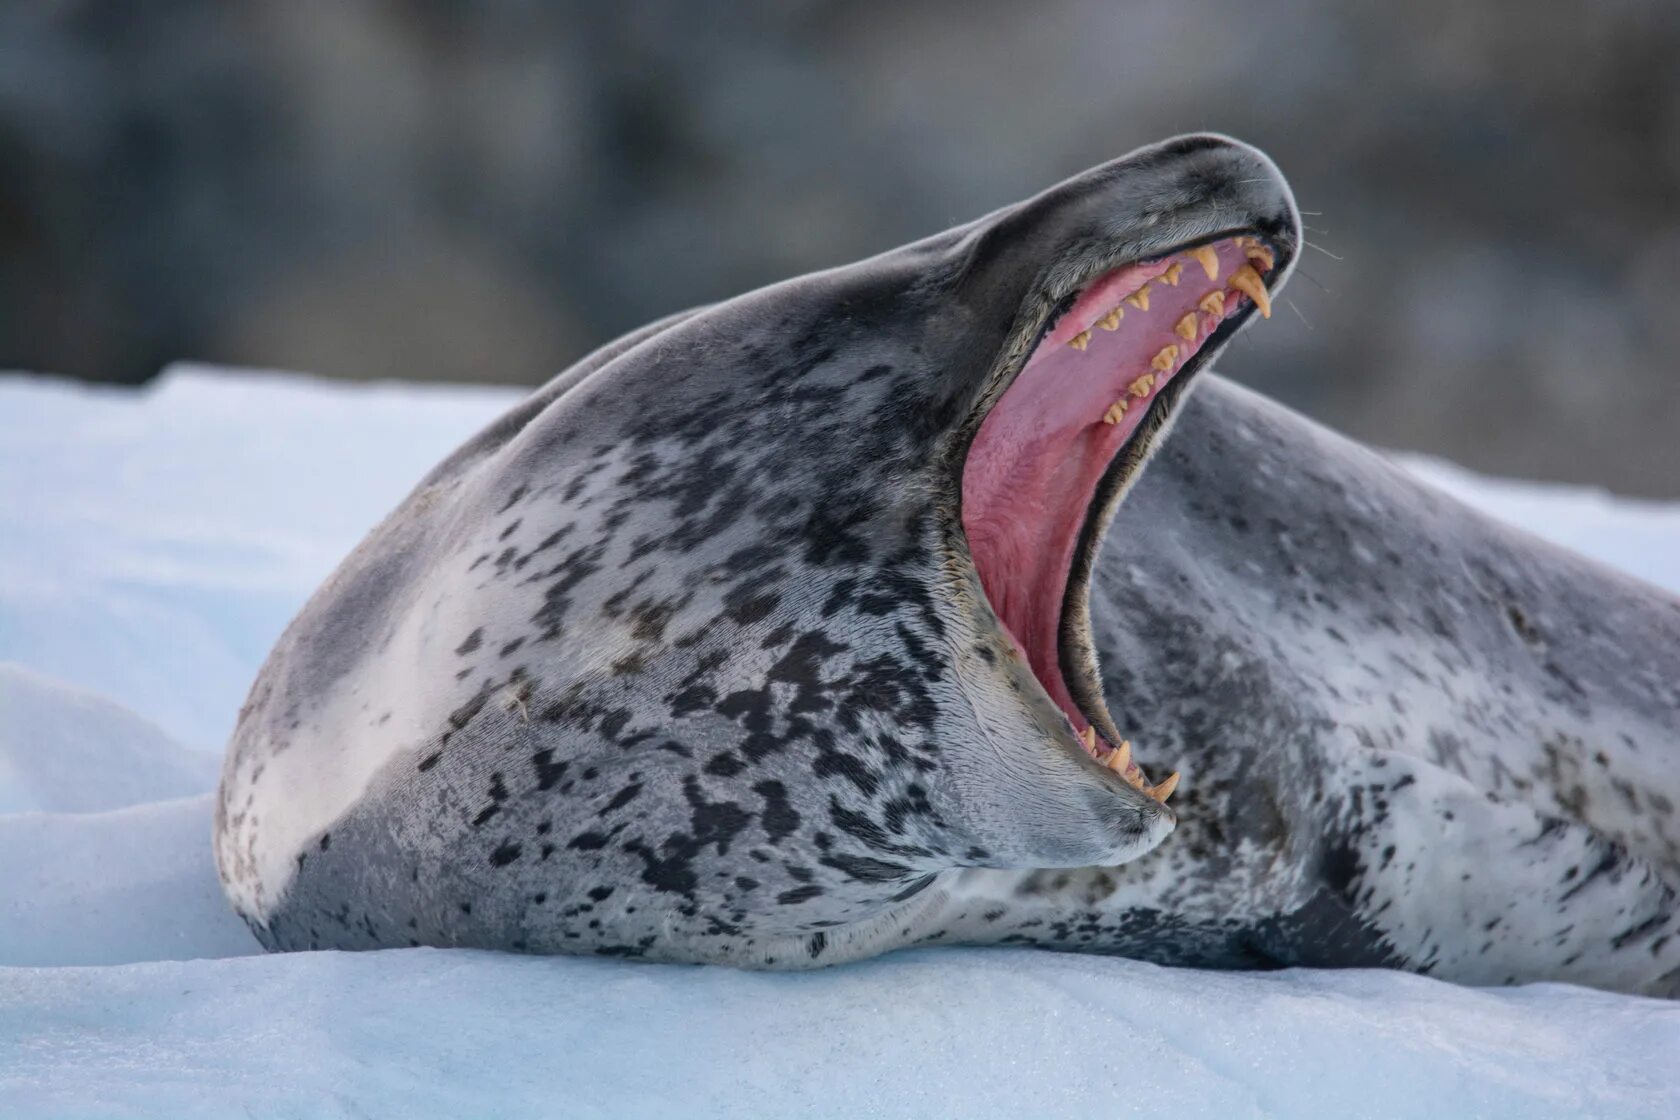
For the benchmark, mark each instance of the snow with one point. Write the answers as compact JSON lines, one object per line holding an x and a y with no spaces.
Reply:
{"x":66,"y":750}
{"x":153,"y":544}
{"x":938,"y":1032}
{"x":137,"y":884}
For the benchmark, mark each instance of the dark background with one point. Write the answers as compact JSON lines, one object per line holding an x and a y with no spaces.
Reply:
{"x":435,"y":189}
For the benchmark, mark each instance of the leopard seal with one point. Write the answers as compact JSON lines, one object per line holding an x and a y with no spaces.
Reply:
{"x":821,"y":622}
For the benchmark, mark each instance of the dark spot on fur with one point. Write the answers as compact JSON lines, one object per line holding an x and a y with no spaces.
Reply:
{"x":865,"y":869}
{"x":622,"y":798}
{"x":799,"y":894}
{"x":778,"y":818}
{"x":549,"y":772}
{"x":518,"y":493}
{"x":725,"y":765}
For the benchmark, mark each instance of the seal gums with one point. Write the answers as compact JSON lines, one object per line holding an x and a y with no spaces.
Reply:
{"x":1104,"y":372}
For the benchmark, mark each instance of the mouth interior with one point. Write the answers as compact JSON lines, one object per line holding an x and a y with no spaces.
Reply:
{"x":1035,"y":466}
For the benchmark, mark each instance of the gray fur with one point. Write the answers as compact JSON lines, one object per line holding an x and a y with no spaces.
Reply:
{"x":685,"y":659}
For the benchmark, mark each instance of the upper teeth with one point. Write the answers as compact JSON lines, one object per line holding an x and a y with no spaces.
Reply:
{"x":1248,"y":282}
{"x":1245,"y":280}
{"x":1119,"y":760}
{"x":1165,"y":789}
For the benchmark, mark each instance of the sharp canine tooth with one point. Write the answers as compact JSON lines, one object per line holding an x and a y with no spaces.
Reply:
{"x":1260,"y":255}
{"x":1172,"y":273}
{"x":1089,"y":738}
{"x":1141,"y":387}
{"x":1208,"y":259}
{"x":1111,"y":321}
{"x":1248,"y":282}
{"x":1187,"y":327}
{"x":1115,"y":412}
{"x":1165,"y":789}
{"x":1165,"y":360}
{"x":1080,"y":340}
{"x":1119,"y":759}
{"x":1140,"y":298}
{"x":1213,"y":303}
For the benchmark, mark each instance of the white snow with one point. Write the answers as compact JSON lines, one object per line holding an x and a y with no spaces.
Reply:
{"x":942,"y":1032}
{"x":153,"y":544}
{"x":66,"y":750}
{"x":137,"y":884}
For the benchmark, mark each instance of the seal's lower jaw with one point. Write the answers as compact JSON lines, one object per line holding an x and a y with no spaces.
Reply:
{"x":1052,"y":457}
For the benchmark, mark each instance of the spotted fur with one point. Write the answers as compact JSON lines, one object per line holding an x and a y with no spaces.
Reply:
{"x":685,"y":659}
{"x":1411,"y":736}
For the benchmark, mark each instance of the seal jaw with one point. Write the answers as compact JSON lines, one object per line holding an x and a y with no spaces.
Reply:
{"x":1052,"y":458}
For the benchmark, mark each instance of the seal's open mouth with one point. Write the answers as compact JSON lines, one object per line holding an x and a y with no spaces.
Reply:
{"x":1046,"y":468}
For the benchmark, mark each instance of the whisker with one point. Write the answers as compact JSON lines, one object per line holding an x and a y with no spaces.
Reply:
{"x":1313,"y":280}
{"x":1297,"y":311}
{"x":1321,"y":249}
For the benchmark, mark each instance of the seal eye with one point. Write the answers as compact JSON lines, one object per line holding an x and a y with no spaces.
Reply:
{"x":1045,"y":468}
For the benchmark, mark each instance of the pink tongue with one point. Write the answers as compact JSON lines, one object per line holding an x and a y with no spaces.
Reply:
{"x":1034,"y":466}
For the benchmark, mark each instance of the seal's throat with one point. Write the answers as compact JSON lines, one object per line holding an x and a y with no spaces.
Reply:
{"x":1044,"y":457}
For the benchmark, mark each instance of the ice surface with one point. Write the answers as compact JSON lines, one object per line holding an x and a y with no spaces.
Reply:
{"x":153,"y":544}
{"x":137,"y":884}
{"x":941,"y":1032}
{"x":66,"y":750}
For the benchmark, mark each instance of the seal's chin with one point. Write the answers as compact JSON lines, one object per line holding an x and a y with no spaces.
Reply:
{"x":1046,"y":470}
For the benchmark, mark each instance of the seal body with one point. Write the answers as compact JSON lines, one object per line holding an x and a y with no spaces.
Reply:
{"x":736,"y":643}
{"x":1411,"y":736}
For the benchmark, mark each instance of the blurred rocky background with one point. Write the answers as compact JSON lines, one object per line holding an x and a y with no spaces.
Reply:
{"x":483,"y":191}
